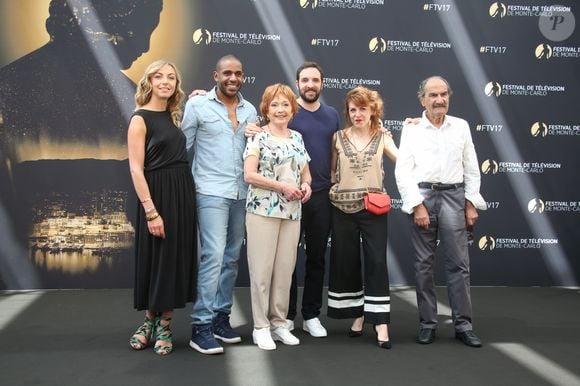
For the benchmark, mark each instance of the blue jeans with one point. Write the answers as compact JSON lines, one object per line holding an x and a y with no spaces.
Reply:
{"x":221,"y":229}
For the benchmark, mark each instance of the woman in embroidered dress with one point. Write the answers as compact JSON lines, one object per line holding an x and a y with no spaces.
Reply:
{"x":357,"y":168}
{"x":276,"y":167}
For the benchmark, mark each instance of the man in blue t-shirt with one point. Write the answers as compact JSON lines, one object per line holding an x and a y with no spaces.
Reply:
{"x":317,"y":122}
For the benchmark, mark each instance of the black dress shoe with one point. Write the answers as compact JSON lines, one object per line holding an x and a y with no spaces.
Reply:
{"x":426,"y":336}
{"x":468,"y":338}
{"x":354,"y":334}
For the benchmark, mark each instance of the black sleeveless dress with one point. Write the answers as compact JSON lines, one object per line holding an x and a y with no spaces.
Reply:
{"x":166,"y":269}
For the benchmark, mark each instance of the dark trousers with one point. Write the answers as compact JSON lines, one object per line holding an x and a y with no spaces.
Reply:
{"x":447,"y":224}
{"x":347,"y":297}
{"x":315,"y":224}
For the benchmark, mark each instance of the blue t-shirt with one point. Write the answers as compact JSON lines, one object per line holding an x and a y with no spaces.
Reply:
{"x":317,"y":128}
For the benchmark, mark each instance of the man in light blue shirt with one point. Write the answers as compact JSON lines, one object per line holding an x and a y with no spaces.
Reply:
{"x":214,"y":126}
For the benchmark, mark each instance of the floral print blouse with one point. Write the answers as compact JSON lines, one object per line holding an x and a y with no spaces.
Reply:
{"x":280,"y":159}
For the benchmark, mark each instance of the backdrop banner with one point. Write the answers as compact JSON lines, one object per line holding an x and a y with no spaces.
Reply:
{"x":67,"y":78}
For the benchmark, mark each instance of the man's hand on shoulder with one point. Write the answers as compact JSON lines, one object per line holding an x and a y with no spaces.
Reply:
{"x":411,"y":121}
{"x":197,"y":92}
{"x":252,"y":129}
{"x":384,"y":130}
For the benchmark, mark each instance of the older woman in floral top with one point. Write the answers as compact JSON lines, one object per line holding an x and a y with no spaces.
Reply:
{"x":276,"y":167}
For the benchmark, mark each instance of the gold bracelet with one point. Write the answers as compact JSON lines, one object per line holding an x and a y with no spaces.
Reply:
{"x":152,"y":217}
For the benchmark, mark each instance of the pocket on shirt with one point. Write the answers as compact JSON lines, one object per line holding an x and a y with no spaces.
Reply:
{"x":212,"y":124}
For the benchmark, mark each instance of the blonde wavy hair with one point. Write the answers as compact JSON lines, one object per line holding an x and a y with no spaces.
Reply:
{"x":362,"y":96}
{"x":144,"y":90}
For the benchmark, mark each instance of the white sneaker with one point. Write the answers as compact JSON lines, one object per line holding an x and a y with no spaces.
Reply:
{"x":263,"y":338}
{"x":290,"y":324}
{"x":314,"y":327}
{"x":283,"y":335}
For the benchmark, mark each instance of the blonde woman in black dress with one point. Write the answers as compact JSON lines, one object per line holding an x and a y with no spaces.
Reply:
{"x":165,"y":234}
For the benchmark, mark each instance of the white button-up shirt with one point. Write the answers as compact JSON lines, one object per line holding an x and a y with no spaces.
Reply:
{"x":445,"y":155}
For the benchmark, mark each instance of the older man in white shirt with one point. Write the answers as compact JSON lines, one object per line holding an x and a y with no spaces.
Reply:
{"x":438,"y":177}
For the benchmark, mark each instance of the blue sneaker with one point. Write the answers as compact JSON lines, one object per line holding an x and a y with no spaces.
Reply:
{"x":222,"y":329}
{"x":203,"y":341}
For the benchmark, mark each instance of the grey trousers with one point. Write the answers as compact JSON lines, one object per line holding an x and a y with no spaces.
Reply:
{"x":447,"y":224}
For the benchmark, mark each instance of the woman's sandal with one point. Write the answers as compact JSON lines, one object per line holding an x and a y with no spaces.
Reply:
{"x":163,"y":336}
{"x":142,"y":336}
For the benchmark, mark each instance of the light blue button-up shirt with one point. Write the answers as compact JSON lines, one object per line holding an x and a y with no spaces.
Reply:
{"x":218,"y":164}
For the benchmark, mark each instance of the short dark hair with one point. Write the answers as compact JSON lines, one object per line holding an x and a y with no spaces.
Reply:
{"x":224,"y":58}
{"x":421,"y":90}
{"x":306,"y":65}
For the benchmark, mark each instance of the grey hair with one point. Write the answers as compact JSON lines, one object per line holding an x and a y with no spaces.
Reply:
{"x":421,"y":91}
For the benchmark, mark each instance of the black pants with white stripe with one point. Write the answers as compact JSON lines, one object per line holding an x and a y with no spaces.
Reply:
{"x":358,"y":287}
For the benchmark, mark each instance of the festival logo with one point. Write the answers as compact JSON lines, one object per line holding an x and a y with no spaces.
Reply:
{"x":535,"y":205}
{"x":543,"y":51}
{"x":201,"y":35}
{"x":204,"y":36}
{"x":340,"y":4}
{"x":489,"y":166}
{"x":539,"y":129}
{"x":493,"y":89}
{"x":489,"y":243}
{"x":496,"y":89}
{"x":486,"y":243}
{"x":542,"y":129}
{"x":377,"y":44}
{"x":309,"y":3}
{"x":492,"y":167}
{"x":500,"y":10}
{"x":546,"y":51}
{"x":497,"y":9}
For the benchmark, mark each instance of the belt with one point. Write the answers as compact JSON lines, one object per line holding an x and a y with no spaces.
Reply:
{"x":439,"y":186}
